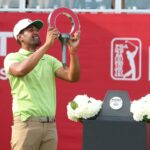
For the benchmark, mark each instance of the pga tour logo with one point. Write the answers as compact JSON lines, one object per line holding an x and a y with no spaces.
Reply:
{"x":126,"y":59}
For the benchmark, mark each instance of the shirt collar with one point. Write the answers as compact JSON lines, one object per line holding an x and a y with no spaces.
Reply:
{"x":25,"y":52}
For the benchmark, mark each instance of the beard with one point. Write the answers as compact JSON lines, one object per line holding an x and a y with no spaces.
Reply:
{"x":36,"y":41}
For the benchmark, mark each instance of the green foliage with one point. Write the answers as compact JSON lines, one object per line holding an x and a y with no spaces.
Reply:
{"x":74,"y":105}
{"x":145,"y":118}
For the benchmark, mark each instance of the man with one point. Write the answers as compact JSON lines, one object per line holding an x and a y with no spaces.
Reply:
{"x":32,"y":78}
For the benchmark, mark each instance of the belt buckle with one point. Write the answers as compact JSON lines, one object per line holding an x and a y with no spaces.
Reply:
{"x":46,"y":120}
{"x":43,"y":120}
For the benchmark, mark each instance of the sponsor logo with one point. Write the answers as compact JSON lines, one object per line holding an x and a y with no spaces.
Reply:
{"x":3,"y":74}
{"x":3,"y":42}
{"x":126,"y":59}
{"x":3,"y":50}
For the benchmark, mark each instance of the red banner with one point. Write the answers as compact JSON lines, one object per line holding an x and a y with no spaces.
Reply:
{"x":114,"y":55}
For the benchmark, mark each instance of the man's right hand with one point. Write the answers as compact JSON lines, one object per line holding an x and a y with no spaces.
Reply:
{"x":52,"y":35}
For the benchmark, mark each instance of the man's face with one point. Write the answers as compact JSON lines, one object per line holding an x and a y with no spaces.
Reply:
{"x":30,"y":37}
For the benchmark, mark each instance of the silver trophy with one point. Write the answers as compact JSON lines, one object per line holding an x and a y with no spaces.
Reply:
{"x":64,"y":37}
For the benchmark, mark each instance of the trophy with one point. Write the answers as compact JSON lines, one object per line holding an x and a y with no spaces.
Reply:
{"x":64,"y":37}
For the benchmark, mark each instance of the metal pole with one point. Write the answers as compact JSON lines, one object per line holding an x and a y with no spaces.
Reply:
{"x":22,"y":5}
{"x":118,"y":6}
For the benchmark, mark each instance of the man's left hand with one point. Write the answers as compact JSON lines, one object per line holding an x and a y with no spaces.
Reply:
{"x":73,"y":42}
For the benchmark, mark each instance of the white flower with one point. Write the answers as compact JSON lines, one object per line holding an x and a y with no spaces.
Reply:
{"x":141,"y":109}
{"x":83,"y":107}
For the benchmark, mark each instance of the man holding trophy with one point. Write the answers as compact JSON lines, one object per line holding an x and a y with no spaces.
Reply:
{"x":32,"y":74}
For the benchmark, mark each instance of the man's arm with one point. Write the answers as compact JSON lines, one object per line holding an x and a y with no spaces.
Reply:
{"x":24,"y":67}
{"x":71,"y":73}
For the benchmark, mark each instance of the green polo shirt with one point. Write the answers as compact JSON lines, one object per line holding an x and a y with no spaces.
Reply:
{"x":35,"y":93}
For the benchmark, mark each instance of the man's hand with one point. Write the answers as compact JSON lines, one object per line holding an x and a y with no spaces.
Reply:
{"x":52,"y":35}
{"x":73,"y":42}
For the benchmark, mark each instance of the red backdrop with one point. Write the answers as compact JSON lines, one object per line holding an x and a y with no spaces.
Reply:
{"x":105,"y":39}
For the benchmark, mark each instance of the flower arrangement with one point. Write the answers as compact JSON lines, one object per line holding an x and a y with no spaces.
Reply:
{"x":83,"y":107}
{"x":141,"y":109}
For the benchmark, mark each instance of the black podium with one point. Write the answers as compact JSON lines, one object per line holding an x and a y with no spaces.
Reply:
{"x":114,"y":128}
{"x":115,"y":135}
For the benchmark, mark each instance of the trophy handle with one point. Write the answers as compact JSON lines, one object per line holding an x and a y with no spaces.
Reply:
{"x":63,"y":39}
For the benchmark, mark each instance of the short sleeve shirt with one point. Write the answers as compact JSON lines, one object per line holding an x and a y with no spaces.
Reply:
{"x":35,"y":93}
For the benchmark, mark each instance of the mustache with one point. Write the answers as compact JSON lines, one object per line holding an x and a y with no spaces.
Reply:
{"x":36,"y":36}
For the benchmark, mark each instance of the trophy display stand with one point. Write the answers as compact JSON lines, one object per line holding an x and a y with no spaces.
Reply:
{"x":116,"y":106}
{"x":114,"y":128}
